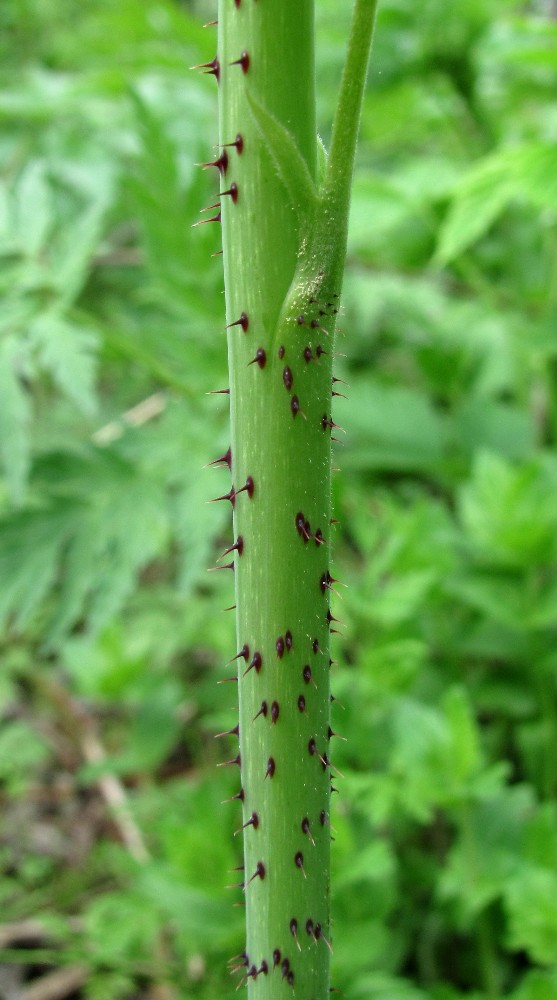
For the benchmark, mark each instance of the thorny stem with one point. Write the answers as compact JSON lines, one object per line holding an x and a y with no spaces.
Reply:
{"x":284,"y":244}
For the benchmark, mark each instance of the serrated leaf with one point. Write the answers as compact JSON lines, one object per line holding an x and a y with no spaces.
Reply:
{"x":478,"y":200}
{"x":67,"y":352}
{"x":32,"y":208}
{"x":528,"y":171}
{"x":75,"y":244}
{"x":31,"y":543}
{"x":289,"y":162}
{"x":15,"y":415}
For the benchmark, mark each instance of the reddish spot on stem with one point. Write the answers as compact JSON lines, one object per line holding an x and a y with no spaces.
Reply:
{"x":256,"y":663}
{"x":260,"y":358}
{"x":242,"y":321}
{"x":221,"y":163}
{"x":212,"y":68}
{"x":243,"y":61}
{"x":225,"y":459}
{"x":232,"y":191}
{"x":238,"y":143}
{"x":244,"y":652}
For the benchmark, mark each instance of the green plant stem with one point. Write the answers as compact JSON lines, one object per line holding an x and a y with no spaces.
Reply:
{"x":346,"y":124}
{"x":283,"y":248}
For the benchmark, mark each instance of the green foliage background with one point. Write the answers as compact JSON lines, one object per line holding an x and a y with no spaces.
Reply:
{"x":112,"y":641}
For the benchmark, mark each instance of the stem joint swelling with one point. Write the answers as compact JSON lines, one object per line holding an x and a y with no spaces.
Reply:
{"x":284,"y":214}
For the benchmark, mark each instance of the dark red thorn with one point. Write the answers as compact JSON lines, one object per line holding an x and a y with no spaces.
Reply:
{"x":312,"y":746}
{"x":264,"y":968}
{"x":203,"y":222}
{"x":258,"y":873}
{"x":285,"y":967}
{"x":306,"y":829}
{"x":217,"y":253}
{"x":331,"y":733}
{"x":260,"y":358}
{"x":247,"y":488}
{"x":287,"y":378}
{"x":275,"y":709}
{"x":295,"y":407}
{"x":315,"y":646}
{"x":310,"y":927}
{"x":306,"y":674}
{"x":231,"y":495}
{"x":225,"y":459}
{"x":232,"y":191}
{"x":271,"y":767}
{"x":211,"y":24}
{"x":235,"y":760}
{"x":318,"y":537}
{"x":252,"y":821}
{"x":307,"y":353}
{"x":209,"y":207}
{"x":243,"y":322}
{"x":294,"y":932}
{"x":237,"y":2}
{"x":256,"y":663}
{"x":341,"y":394}
{"x":319,"y":934}
{"x":276,"y":957}
{"x":299,"y":862}
{"x":332,"y":766}
{"x":262,"y":711}
{"x":229,"y":732}
{"x":243,"y":61}
{"x":212,"y":569}
{"x":302,"y":704}
{"x":238,"y":143}
{"x":343,"y":381}
{"x":288,"y":640}
{"x":218,"y":392}
{"x":302,"y":526}
{"x":320,"y":350}
{"x":244,"y":652}
{"x":239,"y":795}
{"x":300,"y":320}
{"x":235,"y":885}
{"x":324,"y":761}
{"x":212,"y":68}
{"x":237,"y":547}
{"x":281,"y":351}
{"x":279,"y":645}
{"x":231,"y":608}
{"x":243,"y":955}
{"x":226,"y":680}
{"x":331,"y":618}
{"x":239,"y":868}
